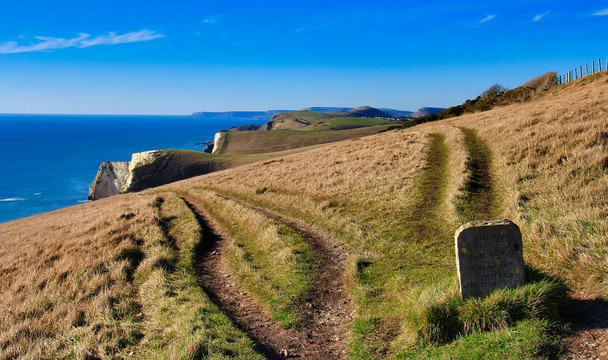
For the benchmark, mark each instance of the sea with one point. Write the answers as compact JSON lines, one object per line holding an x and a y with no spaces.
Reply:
{"x":47,"y":162}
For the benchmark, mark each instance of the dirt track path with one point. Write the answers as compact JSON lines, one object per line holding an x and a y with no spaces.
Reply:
{"x":325,"y":309}
{"x":589,"y":322}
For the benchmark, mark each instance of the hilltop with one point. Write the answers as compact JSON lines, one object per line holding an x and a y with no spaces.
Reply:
{"x":310,"y":120}
{"x":343,"y":249}
{"x":426,"y":111}
{"x":361,"y":112}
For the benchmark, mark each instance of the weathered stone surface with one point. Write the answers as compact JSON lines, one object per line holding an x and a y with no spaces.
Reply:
{"x":489,"y":256}
{"x":109,"y":180}
{"x":216,"y":142}
{"x":114,"y":177}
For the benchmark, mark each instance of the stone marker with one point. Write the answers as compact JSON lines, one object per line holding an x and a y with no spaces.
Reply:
{"x":488,"y":257}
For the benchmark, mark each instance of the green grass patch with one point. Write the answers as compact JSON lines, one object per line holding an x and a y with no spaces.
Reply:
{"x":268,"y":259}
{"x":422,"y":256}
{"x":181,"y":321}
{"x":477,"y":199}
{"x":442,"y":325}
{"x":527,"y":339}
{"x":439,"y":314}
{"x":343,"y":123}
{"x":307,"y":115}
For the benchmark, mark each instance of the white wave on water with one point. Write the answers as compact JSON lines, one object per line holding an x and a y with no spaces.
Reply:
{"x":36,"y":194}
{"x":13,"y":199}
{"x":83,"y":201}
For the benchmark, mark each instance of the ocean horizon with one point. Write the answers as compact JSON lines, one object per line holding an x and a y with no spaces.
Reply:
{"x":47,"y":162}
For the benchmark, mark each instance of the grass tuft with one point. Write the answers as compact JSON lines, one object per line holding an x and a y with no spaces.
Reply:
{"x":438,"y":314}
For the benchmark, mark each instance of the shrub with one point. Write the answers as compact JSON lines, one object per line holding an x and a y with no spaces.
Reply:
{"x":496,"y":95}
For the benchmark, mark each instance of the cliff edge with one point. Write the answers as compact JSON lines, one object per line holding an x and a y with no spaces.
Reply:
{"x":115,"y":177}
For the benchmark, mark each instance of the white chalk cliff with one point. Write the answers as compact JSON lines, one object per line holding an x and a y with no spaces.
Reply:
{"x":114,"y":177}
{"x":216,"y":142}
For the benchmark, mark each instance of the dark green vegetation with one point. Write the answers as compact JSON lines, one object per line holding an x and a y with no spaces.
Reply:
{"x":496,"y":95}
{"x":477,"y":199}
{"x":424,"y":221}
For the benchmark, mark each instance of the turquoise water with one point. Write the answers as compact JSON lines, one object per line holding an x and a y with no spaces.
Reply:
{"x":47,"y":162}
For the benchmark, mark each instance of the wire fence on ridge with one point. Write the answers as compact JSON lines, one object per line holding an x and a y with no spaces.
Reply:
{"x":577,"y":73}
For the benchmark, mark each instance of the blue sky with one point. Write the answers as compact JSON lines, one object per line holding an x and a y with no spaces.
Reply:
{"x":177,"y":57}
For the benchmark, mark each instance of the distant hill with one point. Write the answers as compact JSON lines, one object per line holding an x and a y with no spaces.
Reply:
{"x":332,"y":110}
{"x":325,"y":110}
{"x":294,"y":120}
{"x":338,"y":120}
{"x":250,"y":127}
{"x":426,"y":110}
{"x":396,"y":113}
{"x":361,"y":111}
{"x":392,"y":112}
{"x":261,"y":115}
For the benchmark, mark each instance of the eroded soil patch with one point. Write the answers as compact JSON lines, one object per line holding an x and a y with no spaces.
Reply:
{"x":589,"y":322}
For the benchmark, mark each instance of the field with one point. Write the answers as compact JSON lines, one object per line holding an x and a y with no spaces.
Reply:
{"x":344,"y":250}
{"x":343,"y":123}
{"x":256,"y":142}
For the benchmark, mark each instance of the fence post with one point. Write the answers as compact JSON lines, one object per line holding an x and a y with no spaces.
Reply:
{"x":599,"y":66}
{"x":587,"y":68}
{"x":581,"y":71}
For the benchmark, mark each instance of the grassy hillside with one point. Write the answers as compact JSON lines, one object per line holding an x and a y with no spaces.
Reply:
{"x":496,"y":95}
{"x":344,"y":123}
{"x":175,"y":165}
{"x":253,"y":142}
{"x":119,"y":275}
{"x":294,"y":120}
{"x":307,"y":120}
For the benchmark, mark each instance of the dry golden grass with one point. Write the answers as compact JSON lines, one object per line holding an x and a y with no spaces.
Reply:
{"x":108,"y":279}
{"x":551,"y":167}
{"x":67,"y":279}
{"x":74,"y":282}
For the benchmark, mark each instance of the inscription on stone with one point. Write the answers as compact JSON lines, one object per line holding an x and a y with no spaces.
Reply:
{"x":488,"y":257}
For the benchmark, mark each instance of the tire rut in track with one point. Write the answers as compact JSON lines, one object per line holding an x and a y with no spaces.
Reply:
{"x":478,"y":201}
{"x":324,"y":308}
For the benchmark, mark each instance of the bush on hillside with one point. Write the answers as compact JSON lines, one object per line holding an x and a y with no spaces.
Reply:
{"x":496,"y":95}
